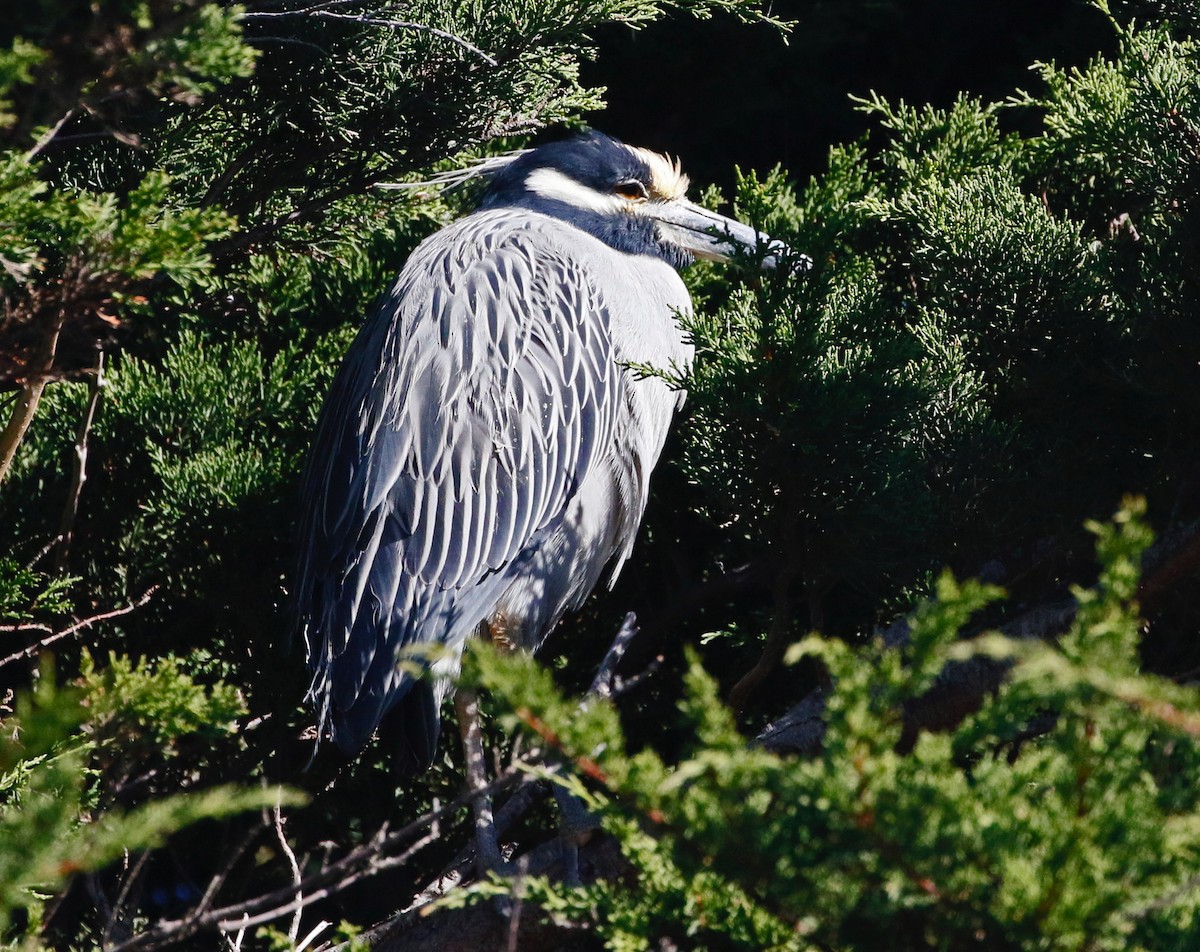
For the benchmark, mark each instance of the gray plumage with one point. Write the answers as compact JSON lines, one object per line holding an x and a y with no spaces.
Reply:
{"x":485,"y":452}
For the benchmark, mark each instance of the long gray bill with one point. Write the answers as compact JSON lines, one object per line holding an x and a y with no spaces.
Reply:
{"x":709,"y":235}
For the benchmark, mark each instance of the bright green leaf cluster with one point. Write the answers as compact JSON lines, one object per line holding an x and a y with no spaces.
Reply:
{"x":1080,"y":836}
{"x":47,"y":831}
{"x":25,"y":592}
{"x":158,"y":701}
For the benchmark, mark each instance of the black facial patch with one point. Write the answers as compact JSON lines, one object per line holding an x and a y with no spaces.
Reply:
{"x":598,"y":162}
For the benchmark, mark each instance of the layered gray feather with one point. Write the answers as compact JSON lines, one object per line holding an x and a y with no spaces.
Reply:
{"x":482,"y":453}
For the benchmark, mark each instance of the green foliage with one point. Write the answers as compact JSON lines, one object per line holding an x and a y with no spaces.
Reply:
{"x":992,"y":317}
{"x":25,"y":592}
{"x":996,"y":342}
{"x":136,"y":238}
{"x":206,"y":53}
{"x":941,"y":144}
{"x":1080,"y":838}
{"x":154,"y":699}
{"x":50,"y":829}
{"x":16,"y":67}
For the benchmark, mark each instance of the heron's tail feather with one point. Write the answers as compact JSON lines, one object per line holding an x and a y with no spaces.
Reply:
{"x":410,"y":730}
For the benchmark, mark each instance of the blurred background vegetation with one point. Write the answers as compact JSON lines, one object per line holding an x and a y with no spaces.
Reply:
{"x":995,"y":350}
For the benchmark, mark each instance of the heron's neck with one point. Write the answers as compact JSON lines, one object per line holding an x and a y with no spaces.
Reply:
{"x":625,"y":233}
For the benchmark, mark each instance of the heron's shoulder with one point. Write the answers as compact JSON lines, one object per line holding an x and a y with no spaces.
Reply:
{"x":489,"y":230}
{"x":527,"y":241}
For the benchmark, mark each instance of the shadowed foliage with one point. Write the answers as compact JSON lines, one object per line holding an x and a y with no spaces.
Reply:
{"x":994,"y":351}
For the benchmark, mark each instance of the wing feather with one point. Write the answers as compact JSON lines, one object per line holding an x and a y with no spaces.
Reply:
{"x":468,"y":412}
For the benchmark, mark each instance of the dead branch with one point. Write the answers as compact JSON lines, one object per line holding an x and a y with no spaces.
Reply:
{"x":30,"y":395}
{"x":114,"y":922}
{"x":605,"y":683}
{"x":73,"y":629}
{"x":484,"y":926}
{"x":297,"y":877}
{"x":79,"y":464}
{"x":382,"y":851}
{"x":49,"y":135}
{"x":321,"y":11}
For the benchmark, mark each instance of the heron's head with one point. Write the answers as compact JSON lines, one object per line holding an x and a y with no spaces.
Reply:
{"x":632,"y":199}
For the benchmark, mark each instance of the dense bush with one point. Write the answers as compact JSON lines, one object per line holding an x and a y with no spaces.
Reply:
{"x":996,"y":344}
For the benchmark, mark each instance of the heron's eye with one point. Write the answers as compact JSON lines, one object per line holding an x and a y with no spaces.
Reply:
{"x":633,"y":191}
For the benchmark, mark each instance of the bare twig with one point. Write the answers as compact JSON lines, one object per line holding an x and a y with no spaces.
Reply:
{"x":297,"y":878}
{"x":364,"y":861}
{"x":41,"y":554}
{"x":622,"y":686}
{"x":1165,"y":901}
{"x":603,"y":683}
{"x":218,"y":880}
{"x":313,"y":934}
{"x":321,"y":12}
{"x":286,"y":41}
{"x":29,"y":396}
{"x":48,"y":136}
{"x":79,"y":465}
{"x":54,"y":636}
{"x":129,"y":880}
{"x":378,"y":866}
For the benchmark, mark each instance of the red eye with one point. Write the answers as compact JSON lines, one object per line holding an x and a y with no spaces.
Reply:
{"x":633,"y":190}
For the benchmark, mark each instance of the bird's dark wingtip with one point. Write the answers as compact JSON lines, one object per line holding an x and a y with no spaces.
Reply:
{"x":409,"y":731}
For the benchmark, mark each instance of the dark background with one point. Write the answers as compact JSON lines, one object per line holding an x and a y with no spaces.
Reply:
{"x":718,"y":94}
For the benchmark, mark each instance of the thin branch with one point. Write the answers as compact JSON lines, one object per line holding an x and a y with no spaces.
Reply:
{"x":1165,"y":901}
{"x":286,"y":41}
{"x":366,"y":860}
{"x":29,"y":396}
{"x":131,"y":877}
{"x":41,"y":554}
{"x":79,"y":465}
{"x":218,"y":880}
{"x":48,"y":136}
{"x":297,"y":878}
{"x":333,"y":889}
{"x":320,"y":12}
{"x":70,"y":630}
{"x":603,"y":683}
{"x":622,"y":686}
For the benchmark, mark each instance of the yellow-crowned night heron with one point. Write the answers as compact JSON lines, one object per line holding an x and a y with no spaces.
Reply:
{"x":485,"y":450}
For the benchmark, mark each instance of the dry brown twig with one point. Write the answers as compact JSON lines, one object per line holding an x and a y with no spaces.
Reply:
{"x":96,"y":384}
{"x":373,"y":856}
{"x":386,"y":849}
{"x":53,"y":636}
{"x":29,"y":395}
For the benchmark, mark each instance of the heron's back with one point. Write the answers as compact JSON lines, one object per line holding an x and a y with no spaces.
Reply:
{"x":483,"y":454}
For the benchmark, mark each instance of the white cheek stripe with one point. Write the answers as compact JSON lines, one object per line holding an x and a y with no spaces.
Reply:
{"x":553,"y":184}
